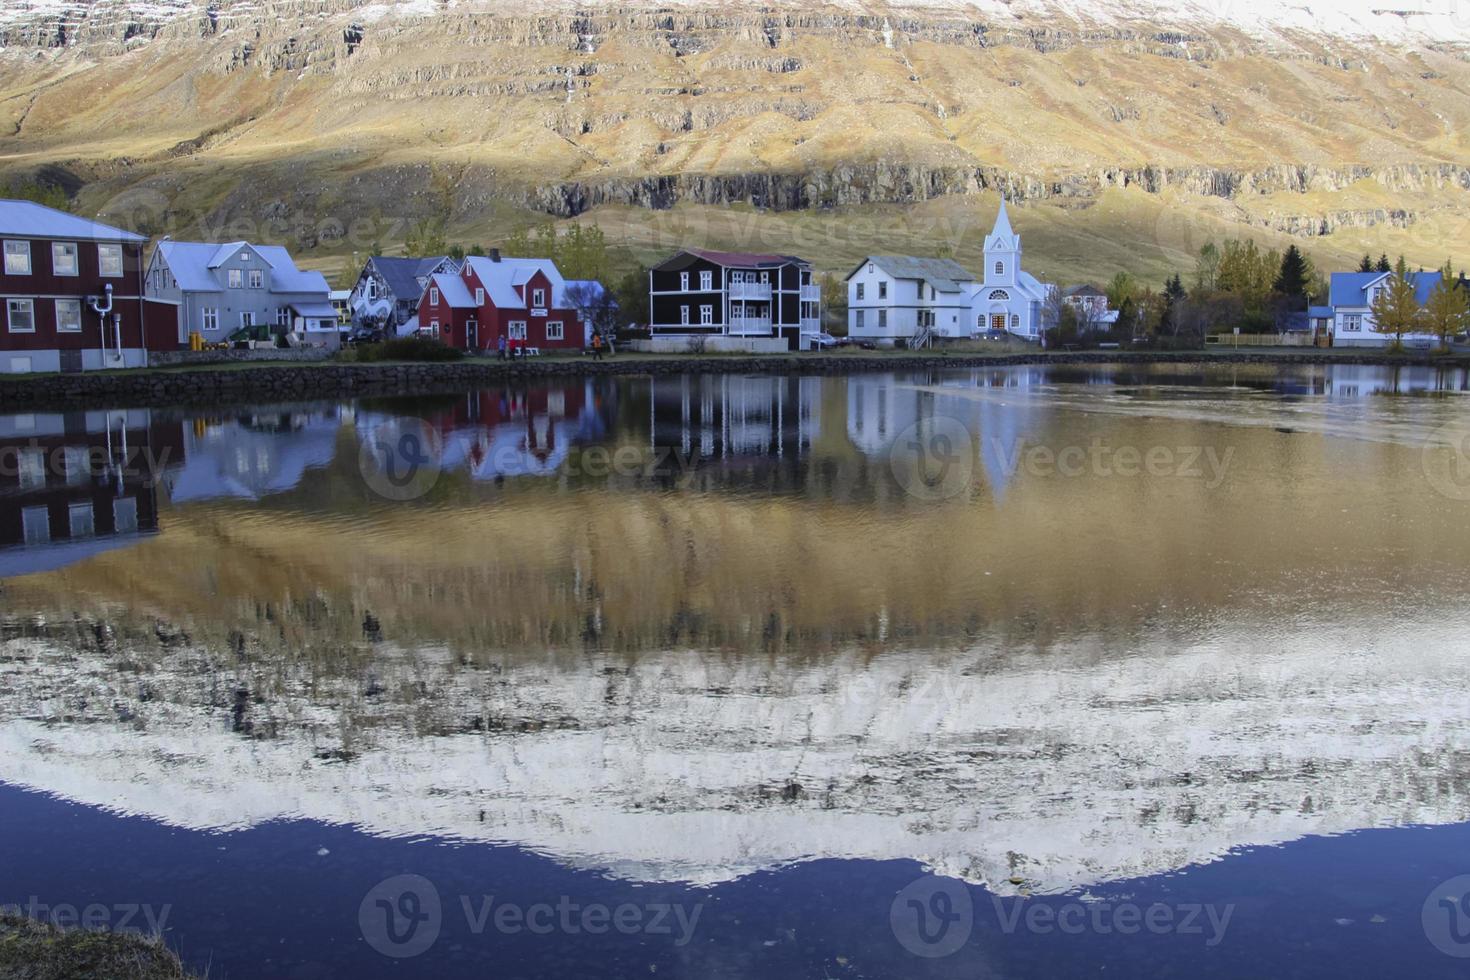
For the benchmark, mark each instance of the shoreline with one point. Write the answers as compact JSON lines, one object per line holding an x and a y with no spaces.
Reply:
{"x":284,"y":380}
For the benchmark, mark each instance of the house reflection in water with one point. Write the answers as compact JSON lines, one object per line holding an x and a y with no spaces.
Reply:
{"x":732,"y":424}
{"x":253,"y":455}
{"x":76,"y":484}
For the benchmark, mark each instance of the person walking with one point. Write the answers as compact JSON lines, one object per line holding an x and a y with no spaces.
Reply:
{"x":596,"y":346}
{"x":502,"y":347}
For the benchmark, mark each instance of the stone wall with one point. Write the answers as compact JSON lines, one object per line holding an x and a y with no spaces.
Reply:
{"x":171,"y":358}
{"x":295,"y":382}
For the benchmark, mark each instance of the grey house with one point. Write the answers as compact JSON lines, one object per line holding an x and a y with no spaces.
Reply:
{"x":388,"y":290}
{"x":222,"y":288}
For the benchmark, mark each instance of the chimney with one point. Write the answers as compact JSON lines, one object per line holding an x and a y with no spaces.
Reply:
{"x":495,"y":255}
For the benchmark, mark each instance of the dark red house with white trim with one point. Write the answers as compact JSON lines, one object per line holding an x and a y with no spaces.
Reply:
{"x":522,"y":300}
{"x":71,"y":294}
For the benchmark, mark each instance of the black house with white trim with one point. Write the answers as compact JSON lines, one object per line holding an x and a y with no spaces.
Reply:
{"x":736,"y":297}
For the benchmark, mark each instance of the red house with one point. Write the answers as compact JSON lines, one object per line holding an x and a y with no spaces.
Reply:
{"x":522,"y":300}
{"x":71,"y":294}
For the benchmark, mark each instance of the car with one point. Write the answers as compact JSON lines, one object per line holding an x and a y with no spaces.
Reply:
{"x":824,"y":341}
{"x":996,"y":335}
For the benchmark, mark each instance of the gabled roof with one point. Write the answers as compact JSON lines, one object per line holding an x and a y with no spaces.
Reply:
{"x":740,"y":260}
{"x":191,"y":262}
{"x":453,"y":291}
{"x":945,"y":275}
{"x":27,"y":219}
{"x":499,"y":279}
{"x":1351,"y":288}
{"x":403,"y":275}
{"x":1086,"y":289}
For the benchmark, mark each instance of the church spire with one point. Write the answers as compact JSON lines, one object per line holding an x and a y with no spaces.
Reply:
{"x":1003,"y":222}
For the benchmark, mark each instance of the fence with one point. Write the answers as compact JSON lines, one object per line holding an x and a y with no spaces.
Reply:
{"x":1294,"y":339}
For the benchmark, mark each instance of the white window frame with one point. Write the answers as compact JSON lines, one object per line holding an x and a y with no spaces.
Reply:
{"x":538,"y":298}
{"x":1000,"y":268}
{"x":737,"y":277}
{"x":706,"y":315}
{"x":372,"y":288}
{"x":106,"y":254}
{"x":860,"y":292}
{"x":516,"y":330}
{"x":209,"y":318}
{"x":247,"y":318}
{"x":35,"y":525}
{"x":81,"y":513}
{"x":882,"y":319}
{"x":858,"y":320}
{"x":12,"y":257}
{"x":12,"y":306}
{"x":479,"y":296}
{"x":58,"y":251}
{"x":883,"y":289}
{"x":69,"y":304}
{"x":235,"y":278}
{"x":684,"y":282}
{"x":433,"y":295}
{"x":257,"y":279}
{"x":556,"y":330}
{"x":434,"y":328}
{"x":706,"y":280}
{"x":283,"y":316}
{"x":683,"y":316}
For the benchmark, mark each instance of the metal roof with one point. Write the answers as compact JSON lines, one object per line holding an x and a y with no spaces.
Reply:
{"x":945,"y":275}
{"x":27,"y":219}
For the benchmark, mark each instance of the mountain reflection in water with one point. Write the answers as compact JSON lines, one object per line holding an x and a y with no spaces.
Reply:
{"x":689,"y":628}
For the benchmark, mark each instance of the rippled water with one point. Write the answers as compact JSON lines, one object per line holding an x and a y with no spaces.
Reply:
{"x":854,"y":674}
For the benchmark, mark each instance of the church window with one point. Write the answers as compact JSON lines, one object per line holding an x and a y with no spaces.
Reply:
{"x":1000,"y":296}
{"x":1000,"y":268}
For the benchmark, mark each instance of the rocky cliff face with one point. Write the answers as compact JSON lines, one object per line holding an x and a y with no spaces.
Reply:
{"x":450,"y":111}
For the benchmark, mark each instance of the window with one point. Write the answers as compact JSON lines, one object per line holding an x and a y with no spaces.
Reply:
{"x":37,"y":525}
{"x":1000,"y":268}
{"x":517,"y":329}
{"x":737,"y":277}
{"x":110,"y":261}
{"x":859,"y":291}
{"x":83,"y":523}
{"x":999,"y":295}
{"x":257,"y":278}
{"x":1352,"y":323}
{"x":706,"y":281}
{"x":684,"y":315}
{"x":555,"y":330}
{"x":17,"y":258}
{"x":480,"y":296}
{"x":883,"y":290}
{"x":1015,"y":321}
{"x":124,"y":515}
{"x":870,"y":268}
{"x":236,"y":278}
{"x":538,"y":298}
{"x":433,"y":328}
{"x":78,"y":463}
{"x":64,"y":258}
{"x":765,"y":278}
{"x":706,"y":315}
{"x":858,"y":320}
{"x":372,"y":288}
{"x":283,"y":316}
{"x":68,"y":316}
{"x":434,"y":296}
{"x":882,"y":319}
{"x":209,"y":318}
{"x":684,"y":281}
{"x":247,"y":319}
{"x":21,"y":315}
{"x":31,"y":468}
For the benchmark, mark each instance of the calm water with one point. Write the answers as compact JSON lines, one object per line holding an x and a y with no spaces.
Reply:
{"x":1025,"y":672}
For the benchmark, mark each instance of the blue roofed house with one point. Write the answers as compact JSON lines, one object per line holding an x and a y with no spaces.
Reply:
{"x":388,"y":290}
{"x":1351,"y":309}
{"x":223,"y":288}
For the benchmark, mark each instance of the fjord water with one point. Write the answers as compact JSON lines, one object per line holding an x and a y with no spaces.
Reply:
{"x":1027,"y":672}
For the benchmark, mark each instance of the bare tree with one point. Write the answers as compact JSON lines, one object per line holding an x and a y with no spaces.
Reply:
{"x":594,"y":302}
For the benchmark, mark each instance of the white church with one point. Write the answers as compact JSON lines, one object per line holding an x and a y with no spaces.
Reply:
{"x":900,"y":298}
{"x":1010,"y":298}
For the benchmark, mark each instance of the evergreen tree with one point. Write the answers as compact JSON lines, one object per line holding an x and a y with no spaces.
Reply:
{"x":1383,"y":264}
{"x":1294,"y":279}
{"x":1367,"y":264}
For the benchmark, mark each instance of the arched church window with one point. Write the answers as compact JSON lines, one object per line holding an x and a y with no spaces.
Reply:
{"x":1000,"y":295}
{"x":1000,"y":268}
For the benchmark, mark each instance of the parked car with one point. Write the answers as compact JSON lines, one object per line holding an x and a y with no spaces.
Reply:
{"x":824,"y":341}
{"x":363,"y":335}
{"x":996,"y":335}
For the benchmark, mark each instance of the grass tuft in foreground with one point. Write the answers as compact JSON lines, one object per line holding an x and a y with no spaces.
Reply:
{"x":32,"y":950}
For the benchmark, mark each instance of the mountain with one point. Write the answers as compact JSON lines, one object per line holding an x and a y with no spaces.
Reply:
{"x":1130,"y":132}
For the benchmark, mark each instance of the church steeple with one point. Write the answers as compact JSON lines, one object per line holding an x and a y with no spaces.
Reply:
{"x":1002,"y":250}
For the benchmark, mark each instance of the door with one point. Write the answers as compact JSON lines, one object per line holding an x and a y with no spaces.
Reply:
{"x":471,"y":335}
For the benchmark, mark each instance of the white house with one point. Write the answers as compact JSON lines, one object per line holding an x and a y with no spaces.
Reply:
{"x":893,"y":297}
{"x":1351,"y":312}
{"x":1010,"y":298}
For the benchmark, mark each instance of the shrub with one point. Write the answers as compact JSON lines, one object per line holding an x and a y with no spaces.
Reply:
{"x":408,"y":349}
